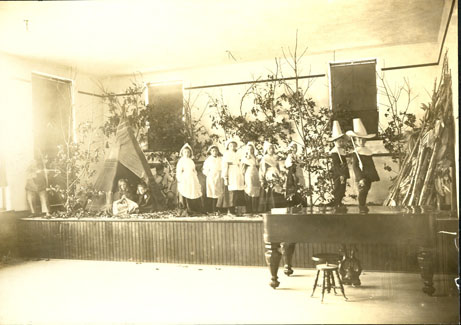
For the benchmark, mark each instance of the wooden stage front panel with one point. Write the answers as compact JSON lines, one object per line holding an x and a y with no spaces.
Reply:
{"x":192,"y":241}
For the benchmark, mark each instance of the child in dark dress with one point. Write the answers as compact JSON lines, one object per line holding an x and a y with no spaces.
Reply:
{"x":295,"y":177}
{"x":363,"y":164}
{"x":36,"y":185}
{"x":339,"y":169}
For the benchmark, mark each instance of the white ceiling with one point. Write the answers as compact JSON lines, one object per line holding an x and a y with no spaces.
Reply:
{"x":109,"y":38}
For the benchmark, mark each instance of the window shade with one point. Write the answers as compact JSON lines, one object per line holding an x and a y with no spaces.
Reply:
{"x":165,"y":103}
{"x":52,"y":113}
{"x":354,"y":93}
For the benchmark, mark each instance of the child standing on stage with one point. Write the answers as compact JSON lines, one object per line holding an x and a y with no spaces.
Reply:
{"x":364,"y":167}
{"x":250,"y":167}
{"x":269,"y":175}
{"x":294,"y":175}
{"x":212,"y":169}
{"x":233,"y":179}
{"x":36,"y":184}
{"x":339,"y":169}
{"x":189,"y":187}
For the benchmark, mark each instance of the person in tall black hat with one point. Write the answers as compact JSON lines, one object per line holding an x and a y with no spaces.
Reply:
{"x":363,"y":165}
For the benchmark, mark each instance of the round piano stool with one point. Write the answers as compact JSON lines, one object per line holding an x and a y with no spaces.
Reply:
{"x":328,"y":279}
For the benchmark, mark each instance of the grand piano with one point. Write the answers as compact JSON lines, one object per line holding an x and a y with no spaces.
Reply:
{"x":403,"y":225}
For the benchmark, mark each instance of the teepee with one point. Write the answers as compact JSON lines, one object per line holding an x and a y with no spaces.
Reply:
{"x":125,"y":160}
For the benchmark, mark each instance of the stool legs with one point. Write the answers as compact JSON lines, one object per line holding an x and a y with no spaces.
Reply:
{"x":315,"y":282}
{"x":323,"y":285}
{"x":332,"y":275}
{"x":328,"y":275}
{"x":340,"y":284}
{"x":328,"y":282}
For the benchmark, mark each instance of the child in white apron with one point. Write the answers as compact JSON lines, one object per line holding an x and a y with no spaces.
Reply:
{"x":250,"y":167}
{"x":233,"y":179}
{"x":212,"y":169}
{"x":269,"y":175}
{"x":189,"y":187}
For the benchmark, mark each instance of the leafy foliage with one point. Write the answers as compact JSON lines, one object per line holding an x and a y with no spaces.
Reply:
{"x":265,"y":121}
{"x":281,"y":110}
{"x":73,"y":168}
{"x":401,"y":124}
{"x":195,"y":133}
{"x":129,"y":105}
{"x":312,"y":125}
{"x":165,"y":130}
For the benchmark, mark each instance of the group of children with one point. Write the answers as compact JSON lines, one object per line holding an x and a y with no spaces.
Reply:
{"x":233,"y":181}
{"x":236,"y":183}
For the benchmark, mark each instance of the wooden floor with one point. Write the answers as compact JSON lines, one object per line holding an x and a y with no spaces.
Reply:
{"x":95,"y":292}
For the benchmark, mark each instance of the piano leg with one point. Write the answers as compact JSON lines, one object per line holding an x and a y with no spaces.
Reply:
{"x":288,"y":250}
{"x":273,"y":257}
{"x":426,"y":265}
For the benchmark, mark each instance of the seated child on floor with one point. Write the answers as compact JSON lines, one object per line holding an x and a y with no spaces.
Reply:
{"x":123,"y":190}
{"x":124,"y":200}
{"x":146,"y":202}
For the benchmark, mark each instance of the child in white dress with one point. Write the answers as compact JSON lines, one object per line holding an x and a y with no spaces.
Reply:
{"x":250,"y":167}
{"x":233,"y":179}
{"x":212,"y":169}
{"x":189,"y":187}
{"x":270,"y":177}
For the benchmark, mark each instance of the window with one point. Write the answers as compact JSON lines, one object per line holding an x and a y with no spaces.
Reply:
{"x":52,"y":113}
{"x":353,"y":93}
{"x":166,"y":112}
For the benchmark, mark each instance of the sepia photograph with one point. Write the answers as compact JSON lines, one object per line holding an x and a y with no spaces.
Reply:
{"x":229,"y":162}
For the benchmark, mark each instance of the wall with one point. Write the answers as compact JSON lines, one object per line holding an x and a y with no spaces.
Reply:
{"x":16,"y":111}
